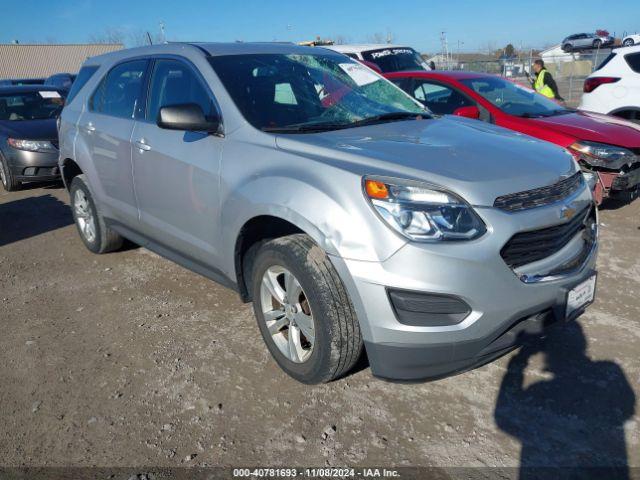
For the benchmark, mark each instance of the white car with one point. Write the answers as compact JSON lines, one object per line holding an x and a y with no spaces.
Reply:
{"x":631,"y":40}
{"x":614,"y":88}
{"x":387,"y":58}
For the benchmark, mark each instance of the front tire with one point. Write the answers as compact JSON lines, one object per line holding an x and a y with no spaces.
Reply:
{"x":303,"y":310}
{"x":568,"y":48}
{"x":628,"y":42}
{"x":95,"y":234}
{"x":9,"y":183}
{"x":597,"y":44}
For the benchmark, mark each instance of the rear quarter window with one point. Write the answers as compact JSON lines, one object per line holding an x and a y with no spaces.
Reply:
{"x":633,"y":60}
{"x":83,"y":77}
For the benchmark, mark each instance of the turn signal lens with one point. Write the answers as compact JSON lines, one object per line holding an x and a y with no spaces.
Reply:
{"x":376,"y":189}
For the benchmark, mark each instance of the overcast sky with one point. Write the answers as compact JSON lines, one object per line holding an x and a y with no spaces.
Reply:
{"x":470,"y":25}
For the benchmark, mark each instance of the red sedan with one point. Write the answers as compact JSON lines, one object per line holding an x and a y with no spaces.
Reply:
{"x":607,"y":146}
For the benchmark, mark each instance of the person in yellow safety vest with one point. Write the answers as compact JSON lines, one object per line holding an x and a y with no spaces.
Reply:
{"x":543,"y":82}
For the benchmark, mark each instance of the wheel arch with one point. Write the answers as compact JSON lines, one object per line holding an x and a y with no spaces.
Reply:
{"x":70,"y":170}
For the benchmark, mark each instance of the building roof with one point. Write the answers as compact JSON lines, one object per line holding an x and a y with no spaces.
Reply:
{"x":42,"y":60}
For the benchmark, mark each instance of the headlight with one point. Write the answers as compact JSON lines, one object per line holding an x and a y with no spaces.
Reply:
{"x":602,"y":155}
{"x":423,"y":214}
{"x":32,"y":145}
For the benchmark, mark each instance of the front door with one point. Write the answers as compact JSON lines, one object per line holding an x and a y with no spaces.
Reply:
{"x":176,"y":173}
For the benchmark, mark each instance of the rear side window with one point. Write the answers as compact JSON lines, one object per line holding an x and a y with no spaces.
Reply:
{"x":119,"y":91}
{"x":605,"y":61}
{"x":633,"y":60}
{"x":83,"y":77}
{"x":174,"y":83}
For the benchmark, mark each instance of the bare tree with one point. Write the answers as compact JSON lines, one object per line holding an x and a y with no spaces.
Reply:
{"x":108,"y":35}
{"x":341,"y":40}
{"x":377,"y":37}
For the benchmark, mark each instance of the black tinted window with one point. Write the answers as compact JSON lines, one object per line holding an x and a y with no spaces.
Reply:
{"x":633,"y":60}
{"x":119,"y":90}
{"x":175,"y":83}
{"x":395,"y":59}
{"x":605,"y":61}
{"x":439,"y":98}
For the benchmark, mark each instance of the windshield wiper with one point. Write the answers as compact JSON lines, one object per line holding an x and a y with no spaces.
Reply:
{"x":563,"y":111}
{"x":316,"y":127}
{"x":389,"y":117}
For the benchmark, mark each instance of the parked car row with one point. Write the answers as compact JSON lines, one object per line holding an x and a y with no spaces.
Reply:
{"x":348,"y":213}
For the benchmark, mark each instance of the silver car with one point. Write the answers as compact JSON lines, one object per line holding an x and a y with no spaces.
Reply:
{"x":350,"y":216}
{"x":586,"y":41}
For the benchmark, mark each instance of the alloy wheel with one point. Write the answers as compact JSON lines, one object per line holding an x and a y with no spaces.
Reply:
{"x":84,"y":216}
{"x":287,"y":314}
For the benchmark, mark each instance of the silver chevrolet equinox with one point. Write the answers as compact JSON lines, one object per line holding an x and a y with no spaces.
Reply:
{"x":350,"y":216}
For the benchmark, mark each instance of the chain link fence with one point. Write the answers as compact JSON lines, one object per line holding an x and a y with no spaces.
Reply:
{"x":569,"y":70}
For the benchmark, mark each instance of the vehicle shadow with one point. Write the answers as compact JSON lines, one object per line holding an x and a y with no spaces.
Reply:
{"x":571,"y":422}
{"x":28,"y":217}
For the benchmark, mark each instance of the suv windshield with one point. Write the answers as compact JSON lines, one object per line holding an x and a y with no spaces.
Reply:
{"x":512,"y":98}
{"x":395,"y":59}
{"x":30,"y":105}
{"x":310,"y":92}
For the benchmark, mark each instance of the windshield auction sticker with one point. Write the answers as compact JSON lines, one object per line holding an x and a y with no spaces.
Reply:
{"x":49,"y":94}
{"x":359,"y":73}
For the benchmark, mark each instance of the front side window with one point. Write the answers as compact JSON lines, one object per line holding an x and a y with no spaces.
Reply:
{"x":37,"y":105}
{"x":174,"y":83}
{"x":279,"y":90}
{"x":395,"y":59}
{"x":119,"y":91}
{"x":514,"y":99}
{"x":438,"y":98}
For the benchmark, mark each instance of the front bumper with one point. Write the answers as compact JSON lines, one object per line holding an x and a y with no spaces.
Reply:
{"x":503,"y":307}
{"x":32,"y":166}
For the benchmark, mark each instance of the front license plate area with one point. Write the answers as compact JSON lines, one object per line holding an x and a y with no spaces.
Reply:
{"x":581,"y":295}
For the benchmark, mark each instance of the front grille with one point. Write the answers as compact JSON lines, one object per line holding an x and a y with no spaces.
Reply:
{"x":539,"y":197}
{"x":528,"y":247}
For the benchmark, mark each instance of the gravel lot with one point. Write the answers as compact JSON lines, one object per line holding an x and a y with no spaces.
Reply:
{"x":129,"y":360}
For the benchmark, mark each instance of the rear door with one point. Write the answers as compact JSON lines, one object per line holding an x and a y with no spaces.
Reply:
{"x":105,"y":129}
{"x":177,"y":172}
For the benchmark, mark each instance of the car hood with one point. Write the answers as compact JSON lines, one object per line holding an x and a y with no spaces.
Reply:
{"x":475,"y":160}
{"x":594,"y":127}
{"x":30,"y":129}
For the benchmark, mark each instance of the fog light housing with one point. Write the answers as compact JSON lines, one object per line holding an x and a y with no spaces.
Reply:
{"x":29,"y":172}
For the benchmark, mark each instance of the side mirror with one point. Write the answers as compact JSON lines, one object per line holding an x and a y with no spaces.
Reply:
{"x":188,"y":117}
{"x":468,"y":112}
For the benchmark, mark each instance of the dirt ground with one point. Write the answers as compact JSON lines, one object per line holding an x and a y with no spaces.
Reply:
{"x":129,"y":360}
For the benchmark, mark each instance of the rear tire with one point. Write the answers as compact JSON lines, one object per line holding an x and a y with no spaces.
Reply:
{"x":9,"y":183}
{"x":628,"y":42}
{"x":597,"y":44}
{"x":294,"y":281}
{"x":95,"y":234}
{"x":568,"y":48}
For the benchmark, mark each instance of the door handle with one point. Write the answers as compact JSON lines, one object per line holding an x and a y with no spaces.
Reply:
{"x":142,"y":145}
{"x":89,"y":127}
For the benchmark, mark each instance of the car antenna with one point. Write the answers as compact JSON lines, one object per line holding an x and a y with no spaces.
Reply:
{"x":149,"y":38}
